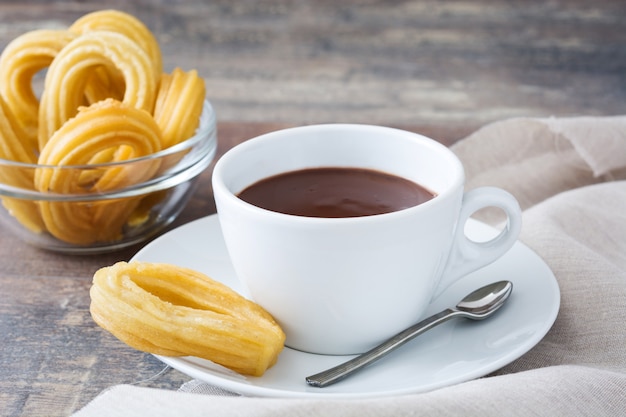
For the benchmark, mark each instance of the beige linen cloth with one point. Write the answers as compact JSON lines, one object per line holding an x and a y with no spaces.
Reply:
{"x":569,"y":176}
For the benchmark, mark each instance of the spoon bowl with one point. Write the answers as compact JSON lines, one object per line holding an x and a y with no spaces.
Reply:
{"x":483,"y":302}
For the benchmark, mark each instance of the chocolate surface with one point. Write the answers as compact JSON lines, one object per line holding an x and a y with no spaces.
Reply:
{"x":335,"y":192}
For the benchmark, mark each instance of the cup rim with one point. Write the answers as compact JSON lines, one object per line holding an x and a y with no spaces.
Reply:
{"x":220,"y":187}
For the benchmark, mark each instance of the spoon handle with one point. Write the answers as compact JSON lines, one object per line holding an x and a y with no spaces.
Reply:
{"x":339,"y":372}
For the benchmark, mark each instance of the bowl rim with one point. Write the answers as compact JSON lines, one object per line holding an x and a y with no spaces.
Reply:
{"x":202,"y":146}
{"x":208,"y":123}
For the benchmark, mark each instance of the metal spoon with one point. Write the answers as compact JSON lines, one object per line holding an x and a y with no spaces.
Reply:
{"x":477,"y":305}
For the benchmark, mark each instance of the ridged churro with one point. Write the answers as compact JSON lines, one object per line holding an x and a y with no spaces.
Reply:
{"x":179,"y":105}
{"x":69,"y":71}
{"x":103,"y":83}
{"x":22,"y":58}
{"x":17,"y":175}
{"x":109,"y":125}
{"x":169,"y":310}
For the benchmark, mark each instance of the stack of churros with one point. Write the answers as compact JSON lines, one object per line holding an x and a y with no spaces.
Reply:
{"x":105,"y":100}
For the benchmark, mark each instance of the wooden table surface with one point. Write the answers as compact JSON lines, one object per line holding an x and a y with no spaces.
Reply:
{"x":440,"y":68}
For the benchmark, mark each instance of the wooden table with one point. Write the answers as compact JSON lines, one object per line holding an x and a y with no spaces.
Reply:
{"x":439,"y":68}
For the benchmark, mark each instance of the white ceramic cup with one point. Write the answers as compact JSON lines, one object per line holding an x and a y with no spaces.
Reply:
{"x":342,"y":285}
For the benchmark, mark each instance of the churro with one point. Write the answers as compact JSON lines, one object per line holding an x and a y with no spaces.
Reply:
{"x":169,"y":310}
{"x":17,"y":175}
{"x":22,"y":58}
{"x":179,"y":105}
{"x":121,"y":131}
{"x":110,"y":83}
{"x":67,"y":75}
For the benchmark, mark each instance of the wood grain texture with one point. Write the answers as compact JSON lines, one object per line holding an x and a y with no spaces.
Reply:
{"x":442,"y":68}
{"x":390,"y":62}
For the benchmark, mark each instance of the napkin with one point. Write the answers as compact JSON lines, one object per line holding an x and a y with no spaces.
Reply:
{"x":569,"y":175}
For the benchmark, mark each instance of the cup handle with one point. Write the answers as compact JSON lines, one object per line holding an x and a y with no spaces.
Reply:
{"x":467,"y":255}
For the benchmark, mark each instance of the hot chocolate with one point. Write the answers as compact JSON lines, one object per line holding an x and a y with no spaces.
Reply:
{"x":335,"y":192}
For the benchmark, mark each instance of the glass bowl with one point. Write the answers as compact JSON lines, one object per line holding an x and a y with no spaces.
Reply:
{"x":141,"y":197}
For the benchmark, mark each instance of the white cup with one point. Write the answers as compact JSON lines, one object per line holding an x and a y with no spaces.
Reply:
{"x":342,"y":285}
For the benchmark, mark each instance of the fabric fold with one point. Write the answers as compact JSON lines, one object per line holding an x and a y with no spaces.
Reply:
{"x":598,"y":141}
{"x":535,"y":159}
{"x":556,"y":391}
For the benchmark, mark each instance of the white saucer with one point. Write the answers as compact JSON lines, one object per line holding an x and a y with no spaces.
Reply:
{"x":457,"y":351}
